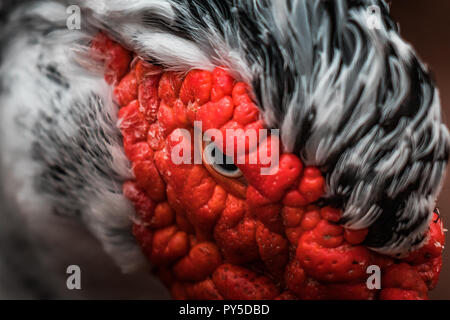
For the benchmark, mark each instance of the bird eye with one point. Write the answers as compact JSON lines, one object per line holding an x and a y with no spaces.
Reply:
{"x":220,"y":162}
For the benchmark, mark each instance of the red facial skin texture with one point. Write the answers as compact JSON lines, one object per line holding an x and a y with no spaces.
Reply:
{"x":212,"y":237}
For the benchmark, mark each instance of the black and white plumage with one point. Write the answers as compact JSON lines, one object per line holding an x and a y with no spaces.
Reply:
{"x":352,"y":100}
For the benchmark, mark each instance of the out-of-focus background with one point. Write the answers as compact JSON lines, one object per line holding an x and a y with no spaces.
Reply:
{"x":426,"y":25}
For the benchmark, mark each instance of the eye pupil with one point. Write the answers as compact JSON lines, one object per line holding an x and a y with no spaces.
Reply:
{"x":228,"y":167}
{"x":226,"y":163}
{"x":225,"y":166}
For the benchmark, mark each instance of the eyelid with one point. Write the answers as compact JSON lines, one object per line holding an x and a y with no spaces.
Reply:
{"x":237,"y":186}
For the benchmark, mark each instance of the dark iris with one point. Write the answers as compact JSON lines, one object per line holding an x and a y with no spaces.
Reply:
{"x":227,"y":168}
{"x":227,"y":163}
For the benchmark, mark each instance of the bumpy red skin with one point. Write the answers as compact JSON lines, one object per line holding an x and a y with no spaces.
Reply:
{"x":213,"y":238}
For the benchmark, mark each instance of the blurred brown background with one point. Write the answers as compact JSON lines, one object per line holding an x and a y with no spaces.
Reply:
{"x":426,"y":25}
